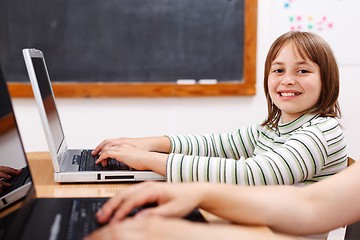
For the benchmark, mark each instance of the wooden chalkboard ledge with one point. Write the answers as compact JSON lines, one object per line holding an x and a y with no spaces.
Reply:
{"x":88,"y":89}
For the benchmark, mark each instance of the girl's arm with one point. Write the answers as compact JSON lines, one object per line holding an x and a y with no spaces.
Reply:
{"x":307,"y":155}
{"x":153,"y":144}
{"x":240,"y":143}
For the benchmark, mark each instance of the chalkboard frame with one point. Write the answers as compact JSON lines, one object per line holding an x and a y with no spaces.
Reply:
{"x":245,"y":87}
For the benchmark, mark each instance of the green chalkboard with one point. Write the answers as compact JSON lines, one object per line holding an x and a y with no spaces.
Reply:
{"x":126,"y":41}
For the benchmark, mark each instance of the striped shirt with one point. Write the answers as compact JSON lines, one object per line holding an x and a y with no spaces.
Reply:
{"x":305,"y":150}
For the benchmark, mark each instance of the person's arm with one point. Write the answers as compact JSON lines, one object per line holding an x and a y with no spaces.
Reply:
{"x":306,"y":155}
{"x":294,"y":210}
{"x":138,"y":153}
{"x":153,"y":144}
{"x":165,"y":228}
{"x":240,"y":143}
{"x":313,"y":209}
{"x":135,"y":158}
{"x":207,"y":145}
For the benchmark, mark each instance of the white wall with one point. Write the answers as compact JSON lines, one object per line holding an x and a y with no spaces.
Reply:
{"x":86,"y":122}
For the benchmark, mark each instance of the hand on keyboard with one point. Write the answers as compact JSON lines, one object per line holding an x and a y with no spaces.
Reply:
{"x":7,"y":176}
{"x":88,"y":163}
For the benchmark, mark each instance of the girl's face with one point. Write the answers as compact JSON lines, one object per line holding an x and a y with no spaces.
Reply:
{"x":294,"y":83}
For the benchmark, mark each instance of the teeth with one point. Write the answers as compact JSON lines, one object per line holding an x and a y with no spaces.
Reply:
{"x":288,"y":94}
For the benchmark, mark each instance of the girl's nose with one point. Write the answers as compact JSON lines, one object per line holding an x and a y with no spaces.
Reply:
{"x":288,"y":79}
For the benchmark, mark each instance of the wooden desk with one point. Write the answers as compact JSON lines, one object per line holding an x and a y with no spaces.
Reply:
{"x":43,"y":177}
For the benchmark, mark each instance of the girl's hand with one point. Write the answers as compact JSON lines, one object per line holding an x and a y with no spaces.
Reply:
{"x":153,"y":144}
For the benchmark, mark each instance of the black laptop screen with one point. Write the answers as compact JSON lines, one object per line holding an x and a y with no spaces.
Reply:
{"x":12,"y":153}
{"x":48,"y":101}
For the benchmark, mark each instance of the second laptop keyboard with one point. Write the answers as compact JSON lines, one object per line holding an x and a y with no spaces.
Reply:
{"x":87,"y":163}
{"x":82,"y":218}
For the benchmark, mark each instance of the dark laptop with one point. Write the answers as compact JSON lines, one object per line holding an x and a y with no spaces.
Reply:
{"x":40,"y":218}
{"x":352,"y":231}
{"x":9,"y":140}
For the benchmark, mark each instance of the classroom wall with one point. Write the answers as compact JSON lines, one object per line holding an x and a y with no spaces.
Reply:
{"x":88,"y":121}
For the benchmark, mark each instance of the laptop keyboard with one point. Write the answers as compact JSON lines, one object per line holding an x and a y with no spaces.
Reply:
{"x":87,"y":163}
{"x":82,"y":218}
{"x":83,"y":221}
{"x":18,"y":180}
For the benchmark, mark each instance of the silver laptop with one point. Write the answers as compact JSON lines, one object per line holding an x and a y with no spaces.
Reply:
{"x":70,"y":165}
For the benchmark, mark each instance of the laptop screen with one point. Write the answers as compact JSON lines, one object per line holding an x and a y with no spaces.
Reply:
{"x":48,"y":100}
{"x":13,"y":186}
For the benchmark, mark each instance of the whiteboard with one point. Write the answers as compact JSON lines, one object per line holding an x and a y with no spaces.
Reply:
{"x":337,"y":21}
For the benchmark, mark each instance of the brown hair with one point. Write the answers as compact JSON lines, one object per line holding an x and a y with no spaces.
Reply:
{"x":317,"y":50}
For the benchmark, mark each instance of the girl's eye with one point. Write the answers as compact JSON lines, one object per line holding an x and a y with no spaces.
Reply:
{"x":278,"y":71}
{"x":303,"y":71}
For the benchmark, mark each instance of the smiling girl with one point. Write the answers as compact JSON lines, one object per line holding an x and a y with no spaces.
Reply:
{"x":299,"y":142}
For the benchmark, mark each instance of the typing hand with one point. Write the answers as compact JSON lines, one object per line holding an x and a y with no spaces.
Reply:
{"x":150,"y":228}
{"x":176,"y":200}
{"x":153,"y":144}
{"x":6,"y":174}
{"x":118,"y":142}
{"x":131,"y":156}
